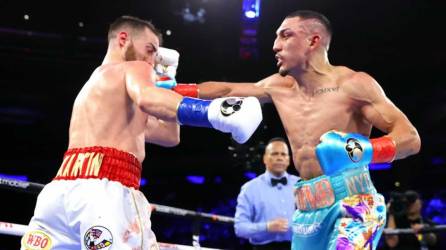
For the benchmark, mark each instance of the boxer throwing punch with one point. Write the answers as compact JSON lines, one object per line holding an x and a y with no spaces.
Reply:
{"x":328,"y":113}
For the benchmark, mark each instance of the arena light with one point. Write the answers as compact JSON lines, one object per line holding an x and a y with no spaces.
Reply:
{"x":251,"y":8}
{"x":195,"y":179}
{"x":250,"y":14}
{"x":14,"y":177}
{"x":190,"y":17}
{"x":143,"y":182}
{"x":250,"y":175}
{"x":249,"y":26}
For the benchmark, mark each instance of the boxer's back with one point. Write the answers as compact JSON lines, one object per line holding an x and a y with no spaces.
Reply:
{"x":104,"y":115}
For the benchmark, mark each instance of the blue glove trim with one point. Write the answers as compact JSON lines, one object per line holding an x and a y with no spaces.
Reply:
{"x":168,"y":84}
{"x":194,"y":112}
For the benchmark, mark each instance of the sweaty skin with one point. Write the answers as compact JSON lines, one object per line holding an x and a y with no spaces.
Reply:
{"x":315,"y":97}
{"x":119,"y":106}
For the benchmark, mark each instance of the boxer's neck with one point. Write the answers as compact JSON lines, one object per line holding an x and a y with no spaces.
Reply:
{"x":113,"y":56}
{"x":313,"y":71}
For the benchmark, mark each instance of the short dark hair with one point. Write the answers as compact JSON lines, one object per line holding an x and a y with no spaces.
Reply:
{"x":276,"y":139}
{"x":309,"y":14}
{"x":411,"y":196}
{"x":135,"y":24}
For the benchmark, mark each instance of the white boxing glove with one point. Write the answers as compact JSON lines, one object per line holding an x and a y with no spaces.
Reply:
{"x":236,"y":115}
{"x":167,"y":62}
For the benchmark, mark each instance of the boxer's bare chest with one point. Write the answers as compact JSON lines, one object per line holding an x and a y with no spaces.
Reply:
{"x":306,"y":116}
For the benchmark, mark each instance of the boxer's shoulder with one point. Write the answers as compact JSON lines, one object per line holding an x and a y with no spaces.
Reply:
{"x":137,"y":70}
{"x":356,"y":84}
{"x":109,"y":70}
{"x":277,"y":80}
{"x":136,"y":66}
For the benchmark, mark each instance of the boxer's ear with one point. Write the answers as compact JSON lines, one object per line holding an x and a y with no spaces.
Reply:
{"x":122,"y":38}
{"x":314,"y":40}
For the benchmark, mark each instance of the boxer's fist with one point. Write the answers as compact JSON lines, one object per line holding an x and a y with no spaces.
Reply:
{"x":167,"y":62}
{"x":235,"y":115}
{"x":166,"y":67}
{"x":339,"y":151}
{"x":167,"y":71}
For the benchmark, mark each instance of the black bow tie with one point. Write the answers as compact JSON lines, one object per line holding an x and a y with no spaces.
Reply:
{"x":282,"y":180}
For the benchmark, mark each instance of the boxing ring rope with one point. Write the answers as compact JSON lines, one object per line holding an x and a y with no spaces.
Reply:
{"x":19,"y":230}
{"x":31,"y":187}
{"x":9,"y":228}
{"x":35,"y":188}
{"x":431,"y":229}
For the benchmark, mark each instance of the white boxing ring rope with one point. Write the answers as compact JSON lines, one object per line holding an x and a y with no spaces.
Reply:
{"x":10,"y":228}
{"x":18,"y":230}
{"x":32,"y":187}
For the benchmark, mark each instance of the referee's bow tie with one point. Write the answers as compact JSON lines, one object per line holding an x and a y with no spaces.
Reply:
{"x":282,"y":180}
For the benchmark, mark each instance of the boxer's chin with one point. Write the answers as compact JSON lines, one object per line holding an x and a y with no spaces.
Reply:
{"x":283,"y":71}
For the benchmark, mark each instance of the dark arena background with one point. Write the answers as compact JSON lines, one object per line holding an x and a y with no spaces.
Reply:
{"x":48,"y":49}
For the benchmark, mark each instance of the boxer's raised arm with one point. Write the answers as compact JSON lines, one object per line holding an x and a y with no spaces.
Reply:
{"x":238,"y":116}
{"x":260,"y":89}
{"x":211,"y":90}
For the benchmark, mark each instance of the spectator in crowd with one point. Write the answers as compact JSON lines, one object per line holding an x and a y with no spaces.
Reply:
{"x":405,"y":212}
